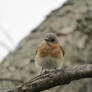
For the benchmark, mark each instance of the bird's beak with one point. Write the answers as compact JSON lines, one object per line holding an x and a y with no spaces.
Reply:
{"x":46,"y":39}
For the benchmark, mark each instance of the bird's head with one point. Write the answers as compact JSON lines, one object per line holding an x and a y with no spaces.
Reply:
{"x":51,"y":39}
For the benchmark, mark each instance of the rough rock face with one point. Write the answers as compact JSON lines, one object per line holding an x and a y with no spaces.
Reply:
{"x":73,"y":24}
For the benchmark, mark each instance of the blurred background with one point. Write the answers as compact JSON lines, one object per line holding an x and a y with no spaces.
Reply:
{"x":23,"y":24}
{"x":19,"y":17}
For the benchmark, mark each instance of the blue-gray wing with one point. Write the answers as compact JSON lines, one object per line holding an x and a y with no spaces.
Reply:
{"x":62,"y":49}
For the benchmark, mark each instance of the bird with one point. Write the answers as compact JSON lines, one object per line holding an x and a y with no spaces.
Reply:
{"x":49,"y":54}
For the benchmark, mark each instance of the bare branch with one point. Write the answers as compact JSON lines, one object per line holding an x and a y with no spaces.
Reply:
{"x":8,"y":36}
{"x":5,"y":46}
{"x":55,"y":78}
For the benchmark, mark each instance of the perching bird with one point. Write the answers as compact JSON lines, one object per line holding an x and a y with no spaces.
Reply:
{"x":49,"y":54}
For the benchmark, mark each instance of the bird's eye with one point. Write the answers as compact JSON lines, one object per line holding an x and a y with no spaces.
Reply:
{"x":52,"y":40}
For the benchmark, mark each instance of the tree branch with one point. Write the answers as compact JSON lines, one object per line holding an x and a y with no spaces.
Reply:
{"x":55,"y":78}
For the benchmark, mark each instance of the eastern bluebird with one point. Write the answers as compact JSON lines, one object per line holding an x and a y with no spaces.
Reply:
{"x":49,"y":54}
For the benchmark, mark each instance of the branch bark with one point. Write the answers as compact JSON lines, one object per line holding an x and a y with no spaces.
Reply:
{"x":55,"y":78}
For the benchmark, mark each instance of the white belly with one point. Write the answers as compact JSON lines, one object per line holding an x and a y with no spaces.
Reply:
{"x":49,"y":63}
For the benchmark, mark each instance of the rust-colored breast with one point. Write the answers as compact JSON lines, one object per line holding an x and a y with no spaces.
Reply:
{"x":52,"y":50}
